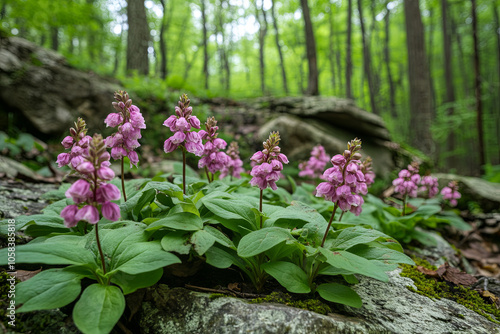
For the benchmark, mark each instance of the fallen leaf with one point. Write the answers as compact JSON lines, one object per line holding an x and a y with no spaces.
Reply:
{"x":24,"y":275}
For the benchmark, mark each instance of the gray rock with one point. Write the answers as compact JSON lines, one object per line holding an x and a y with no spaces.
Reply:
{"x":387,"y":308}
{"x":47,"y":91}
{"x":473,"y":189}
{"x":299,"y":135}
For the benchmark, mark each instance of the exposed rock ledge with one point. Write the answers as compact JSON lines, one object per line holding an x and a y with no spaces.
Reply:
{"x":387,"y":308}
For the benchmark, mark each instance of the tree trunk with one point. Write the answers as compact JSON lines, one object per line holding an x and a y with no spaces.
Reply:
{"x":312,"y":82}
{"x":477,"y":81}
{"x":205,"y":42}
{"x":282,"y":63}
{"x":262,"y":20}
{"x":497,"y":26}
{"x":54,"y":38}
{"x":331,"y":53}
{"x":163,"y":42}
{"x":367,"y":61}
{"x":420,"y":94}
{"x":448,"y":75}
{"x":387,"y":58}
{"x":348,"y":61}
{"x":138,"y":38}
{"x":430,"y":47}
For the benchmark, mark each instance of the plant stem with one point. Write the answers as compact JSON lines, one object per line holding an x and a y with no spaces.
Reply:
{"x":208,"y":176}
{"x":404,"y":205}
{"x":329,"y":224}
{"x":260,"y":206}
{"x":123,"y":183}
{"x":100,"y":249}
{"x":184,"y":170}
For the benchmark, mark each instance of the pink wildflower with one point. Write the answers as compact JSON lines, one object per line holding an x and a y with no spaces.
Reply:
{"x":77,"y":144}
{"x":316,"y":164}
{"x":451,"y":193}
{"x":234,"y":165}
{"x":407,"y":181}
{"x":268,"y":163}
{"x":212,"y":159}
{"x":429,"y":184}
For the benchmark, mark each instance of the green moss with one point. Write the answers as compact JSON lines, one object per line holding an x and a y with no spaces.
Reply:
{"x":313,"y":305}
{"x":217,"y":295}
{"x":429,"y":287}
{"x":5,"y":300}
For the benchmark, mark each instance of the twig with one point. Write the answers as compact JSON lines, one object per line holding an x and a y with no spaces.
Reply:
{"x":225,"y":291}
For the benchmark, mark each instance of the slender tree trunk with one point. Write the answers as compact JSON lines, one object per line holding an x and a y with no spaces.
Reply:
{"x":387,"y":58}
{"x":348,"y":60}
{"x":420,"y":94}
{"x":277,"y":37}
{"x":497,"y":25}
{"x":262,"y":19}
{"x":461,"y":56}
{"x":138,"y":38}
{"x":331,"y":53}
{"x":163,"y":42}
{"x":477,"y":81}
{"x":54,"y":38}
{"x":367,"y":61}
{"x":205,"y":42}
{"x":448,"y":74}
{"x":312,"y":82}
{"x":430,"y":47}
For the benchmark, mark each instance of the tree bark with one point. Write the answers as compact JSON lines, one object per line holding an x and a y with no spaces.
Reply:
{"x":477,"y":84}
{"x":430,"y":47}
{"x":163,"y":42}
{"x":387,"y":58}
{"x":331,"y":53}
{"x":312,"y":82}
{"x":282,"y":63}
{"x":367,"y":61}
{"x":420,"y":94}
{"x":138,"y":38}
{"x":54,"y":38}
{"x":205,"y":42}
{"x":448,"y":75}
{"x":497,"y":25}
{"x":348,"y":61}
{"x":262,"y":20}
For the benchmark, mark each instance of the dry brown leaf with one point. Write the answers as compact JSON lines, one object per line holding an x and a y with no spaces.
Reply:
{"x":24,"y":275}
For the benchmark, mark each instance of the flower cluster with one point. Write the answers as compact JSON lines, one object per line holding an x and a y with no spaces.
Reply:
{"x":181,"y":124}
{"x":315,"y":166}
{"x":77,"y":143}
{"x":91,"y":193}
{"x":268,"y":163}
{"x":345,"y":181}
{"x":408,"y":181}
{"x":234,"y":165}
{"x":212,"y":158}
{"x":429,"y":185}
{"x":366,"y":168}
{"x":451,"y":193}
{"x":130,"y":122}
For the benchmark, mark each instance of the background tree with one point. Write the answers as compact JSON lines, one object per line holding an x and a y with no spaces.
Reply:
{"x":312,"y":82}
{"x":137,"y":37}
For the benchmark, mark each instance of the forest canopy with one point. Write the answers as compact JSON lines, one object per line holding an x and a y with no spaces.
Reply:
{"x":430,"y":68}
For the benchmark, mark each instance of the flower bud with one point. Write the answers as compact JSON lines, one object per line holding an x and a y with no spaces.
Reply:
{"x":88,"y":213}
{"x":110,"y":211}
{"x":105,"y":173}
{"x":68,"y":214}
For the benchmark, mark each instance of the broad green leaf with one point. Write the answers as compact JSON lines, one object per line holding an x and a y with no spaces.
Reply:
{"x":428,"y":210}
{"x":295,"y":216}
{"x":130,"y":283}
{"x":354,"y":263}
{"x":220,"y":237}
{"x":176,"y":241}
{"x":384,"y":255}
{"x":352,"y":236}
{"x":52,"y":288}
{"x":115,"y":241}
{"x":99,"y":309}
{"x":224,"y":258}
{"x":423,"y":237}
{"x":289,"y":275}
{"x":455,"y":220}
{"x":143,"y":257}
{"x":339,"y":293}
{"x":38,"y":230}
{"x":202,"y":241}
{"x":259,"y":241}
{"x":327,"y":269}
{"x":56,"y":207}
{"x":184,"y":221}
{"x":146,"y":198}
{"x":165,"y":200}
{"x":50,"y":252}
{"x":232,"y":210}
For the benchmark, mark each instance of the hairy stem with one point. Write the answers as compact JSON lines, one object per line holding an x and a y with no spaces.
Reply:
{"x":404,"y":205}
{"x":260,"y":206}
{"x":123,"y":182}
{"x":208,"y":175}
{"x":329,"y":224}
{"x":184,"y":170}
{"x":100,"y":249}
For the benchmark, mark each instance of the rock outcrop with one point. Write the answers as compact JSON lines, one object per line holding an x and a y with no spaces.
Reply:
{"x":39,"y":84}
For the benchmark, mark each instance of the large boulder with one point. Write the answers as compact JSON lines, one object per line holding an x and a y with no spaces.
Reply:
{"x":387,"y":308}
{"x":38,"y":84}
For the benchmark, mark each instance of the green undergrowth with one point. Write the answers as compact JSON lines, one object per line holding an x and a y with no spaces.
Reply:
{"x":313,"y":305}
{"x":430,"y":287}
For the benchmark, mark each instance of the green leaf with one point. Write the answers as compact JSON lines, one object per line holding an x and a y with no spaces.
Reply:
{"x":50,"y":252}
{"x":143,"y":257}
{"x":289,"y":275}
{"x":384,"y":255}
{"x":455,"y":220}
{"x":354,"y":263}
{"x":130,"y":283}
{"x":295,"y":216}
{"x":115,"y":241}
{"x":220,"y":258}
{"x":165,"y":200}
{"x":259,"y":241}
{"x":233,"y":209}
{"x":99,"y":309}
{"x":339,"y":293}
{"x":146,"y":198}
{"x":356,"y":235}
{"x":220,"y":237}
{"x":428,"y":210}
{"x":184,"y":221}
{"x":55,"y":208}
{"x":202,"y":241}
{"x":176,"y":241}
{"x":52,"y":288}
